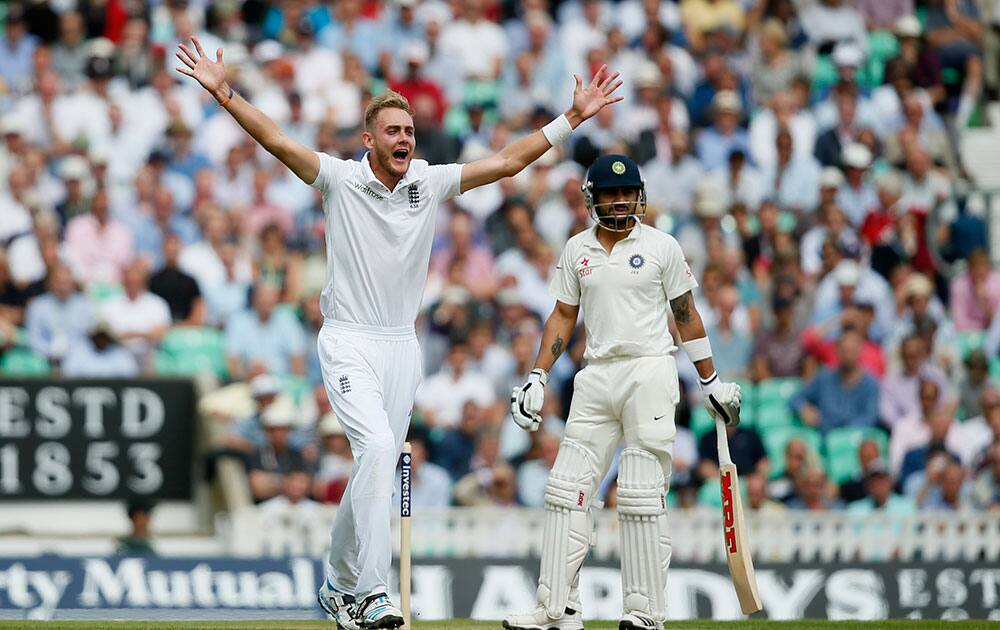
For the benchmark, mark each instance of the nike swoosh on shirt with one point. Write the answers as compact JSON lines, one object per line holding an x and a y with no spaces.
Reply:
{"x":655,"y":418}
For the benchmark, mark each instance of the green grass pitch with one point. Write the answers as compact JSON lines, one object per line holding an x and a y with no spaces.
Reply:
{"x":465,"y":624}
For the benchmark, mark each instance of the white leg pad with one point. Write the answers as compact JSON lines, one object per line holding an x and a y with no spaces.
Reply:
{"x":568,"y":531}
{"x":645,"y":545}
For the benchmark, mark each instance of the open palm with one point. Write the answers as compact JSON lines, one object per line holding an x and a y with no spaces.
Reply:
{"x":589,"y":100}
{"x":210,"y":74}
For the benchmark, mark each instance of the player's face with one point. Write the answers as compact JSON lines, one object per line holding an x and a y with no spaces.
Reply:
{"x":617,"y":208}
{"x":392,"y":141}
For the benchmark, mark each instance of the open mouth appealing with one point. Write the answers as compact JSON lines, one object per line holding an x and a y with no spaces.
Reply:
{"x":400,"y":155}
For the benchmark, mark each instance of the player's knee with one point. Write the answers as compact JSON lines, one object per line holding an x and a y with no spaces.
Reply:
{"x":641,"y":483}
{"x":573,"y":479}
{"x":379,"y":446}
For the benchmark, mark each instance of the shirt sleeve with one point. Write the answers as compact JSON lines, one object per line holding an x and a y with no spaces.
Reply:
{"x":445,"y":180}
{"x":677,"y":276}
{"x":565,"y":284}
{"x":331,"y":172}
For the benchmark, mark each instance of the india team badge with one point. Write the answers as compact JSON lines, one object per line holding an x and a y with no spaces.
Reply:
{"x":618,"y":167}
{"x":636,"y":261}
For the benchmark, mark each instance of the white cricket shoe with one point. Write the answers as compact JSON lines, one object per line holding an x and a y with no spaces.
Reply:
{"x":338,"y":605}
{"x":638,"y":621}
{"x":376,"y":611}
{"x":540,"y":620}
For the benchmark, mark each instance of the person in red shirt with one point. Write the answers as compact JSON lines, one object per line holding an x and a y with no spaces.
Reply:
{"x":857,"y":316}
{"x":415,"y":85}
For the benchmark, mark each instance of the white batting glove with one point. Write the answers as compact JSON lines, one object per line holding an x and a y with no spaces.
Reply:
{"x":526,"y":401}
{"x":721,"y":399}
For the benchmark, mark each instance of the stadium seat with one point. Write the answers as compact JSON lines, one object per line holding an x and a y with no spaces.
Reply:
{"x":701,"y":421}
{"x":100,"y":292}
{"x":995,"y":367}
{"x":23,"y":362}
{"x":776,"y":438}
{"x":710,"y":495}
{"x":774,"y":414}
{"x":777,"y":389}
{"x":970,"y":340}
{"x":192,"y":350}
{"x":842,"y":450}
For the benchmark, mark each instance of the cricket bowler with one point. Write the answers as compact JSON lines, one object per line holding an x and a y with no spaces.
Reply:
{"x":622,"y":275}
{"x":380,"y":217}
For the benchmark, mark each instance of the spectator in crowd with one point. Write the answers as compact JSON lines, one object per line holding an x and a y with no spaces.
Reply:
{"x":246,"y":434}
{"x":798,"y":457}
{"x":262,"y":211}
{"x":857,"y":316}
{"x":974,"y":436}
{"x":98,"y":247}
{"x":150,"y":232}
{"x":868,"y":456}
{"x":138,"y":542}
{"x":812,"y":492}
{"x":879,"y":495}
{"x":946,"y":486}
{"x":293,"y":502}
{"x":757,"y":499}
{"x":475,"y":487}
{"x":335,"y":460}
{"x":718,"y":142}
{"x":899,"y":397}
{"x":179,"y":290}
{"x":430,"y":485}
{"x":59,"y":318}
{"x":845,"y":396}
{"x":533,"y":473}
{"x":12,"y":303}
{"x":276,"y":457}
{"x":442,"y":396}
{"x":277,"y":265}
{"x":986,"y":486}
{"x":856,"y":196}
{"x":732,"y":345}
{"x":975,"y":294}
{"x":777,"y":352}
{"x":454,"y":450}
{"x":975,"y":381}
{"x":138,"y":318}
{"x":829,"y":22}
{"x":955,"y":30}
{"x":265,"y":333}
{"x":100,"y":356}
{"x":745,"y":447}
{"x":912,"y":441}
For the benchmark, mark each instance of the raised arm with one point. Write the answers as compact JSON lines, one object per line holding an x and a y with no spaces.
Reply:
{"x":512,"y":159}
{"x":212,"y":76}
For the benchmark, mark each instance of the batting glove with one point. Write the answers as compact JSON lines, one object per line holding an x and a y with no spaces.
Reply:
{"x":526,"y":400}
{"x":721,"y":399}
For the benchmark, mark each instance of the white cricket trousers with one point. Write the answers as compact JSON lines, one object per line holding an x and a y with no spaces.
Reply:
{"x":630,"y":397}
{"x":371,"y":376}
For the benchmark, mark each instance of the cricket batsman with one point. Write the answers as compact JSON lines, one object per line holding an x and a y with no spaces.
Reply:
{"x":623,"y":275}
{"x":380,"y":217}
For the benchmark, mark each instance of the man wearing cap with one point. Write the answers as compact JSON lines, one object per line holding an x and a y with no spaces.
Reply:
{"x":381,"y":213}
{"x":623,"y":276}
{"x":17,"y":50}
{"x":716,"y":144}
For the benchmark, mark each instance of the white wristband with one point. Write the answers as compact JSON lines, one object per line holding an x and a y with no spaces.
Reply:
{"x":558,"y":130}
{"x":698,"y":349}
{"x":710,"y":384}
{"x":542,"y":375}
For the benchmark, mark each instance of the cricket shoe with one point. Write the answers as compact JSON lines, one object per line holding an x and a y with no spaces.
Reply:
{"x":376,"y":611}
{"x":338,"y":605}
{"x":540,"y":620}
{"x":638,"y":621}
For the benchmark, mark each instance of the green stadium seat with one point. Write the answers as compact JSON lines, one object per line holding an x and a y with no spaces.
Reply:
{"x":100,"y":292}
{"x":710,"y":495}
{"x":774,"y":414}
{"x":995,"y":367}
{"x":192,"y":350}
{"x":970,"y":340}
{"x":842,"y":451}
{"x":775,"y":390}
{"x":297,"y":388}
{"x":701,"y":421}
{"x":776,"y":438}
{"x":23,"y":362}
{"x":824,"y":74}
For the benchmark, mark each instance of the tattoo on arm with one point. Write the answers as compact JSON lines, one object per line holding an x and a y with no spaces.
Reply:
{"x":557,"y":347}
{"x":681,"y":306}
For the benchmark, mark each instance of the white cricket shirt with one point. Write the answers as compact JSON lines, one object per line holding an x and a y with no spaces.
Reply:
{"x":378,"y":241}
{"x":625,"y":295}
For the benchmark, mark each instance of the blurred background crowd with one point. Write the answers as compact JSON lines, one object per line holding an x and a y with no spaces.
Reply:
{"x":797,"y":149}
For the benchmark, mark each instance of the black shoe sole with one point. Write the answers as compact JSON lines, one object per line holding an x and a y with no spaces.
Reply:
{"x":385,"y":623}
{"x":625,"y":624}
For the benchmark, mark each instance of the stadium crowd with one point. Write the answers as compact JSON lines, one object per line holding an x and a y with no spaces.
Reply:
{"x":797,"y":149}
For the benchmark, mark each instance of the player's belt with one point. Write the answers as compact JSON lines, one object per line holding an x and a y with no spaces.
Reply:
{"x":373,"y":332}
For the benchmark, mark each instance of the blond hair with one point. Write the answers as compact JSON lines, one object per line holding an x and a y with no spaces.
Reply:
{"x":386,"y":100}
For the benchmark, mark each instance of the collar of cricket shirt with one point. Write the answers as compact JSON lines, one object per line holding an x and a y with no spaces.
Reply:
{"x":591,"y":241}
{"x":410,"y":177}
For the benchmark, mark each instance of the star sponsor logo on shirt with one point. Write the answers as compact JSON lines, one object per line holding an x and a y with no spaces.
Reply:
{"x":585,"y":268}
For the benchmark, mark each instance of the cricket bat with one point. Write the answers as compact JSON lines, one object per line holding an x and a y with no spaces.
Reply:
{"x":734,"y":528}
{"x":405,"y":506}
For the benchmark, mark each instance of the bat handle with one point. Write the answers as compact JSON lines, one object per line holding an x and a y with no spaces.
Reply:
{"x":405,"y":509}
{"x":723,"y":439}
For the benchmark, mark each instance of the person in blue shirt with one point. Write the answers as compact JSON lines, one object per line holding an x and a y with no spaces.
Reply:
{"x":267,"y":335}
{"x":845,"y":396}
{"x":100,"y":356}
{"x":58,"y":319}
{"x":718,"y":142}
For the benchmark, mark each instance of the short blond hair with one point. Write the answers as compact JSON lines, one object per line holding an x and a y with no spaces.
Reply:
{"x":386,"y":100}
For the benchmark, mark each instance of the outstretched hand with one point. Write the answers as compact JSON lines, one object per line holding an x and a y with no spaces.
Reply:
{"x":210,"y":74}
{"x":587,"y":101}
